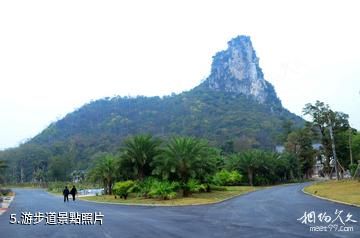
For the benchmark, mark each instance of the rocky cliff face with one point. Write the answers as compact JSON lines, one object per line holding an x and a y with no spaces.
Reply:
{"x":237,"y":70}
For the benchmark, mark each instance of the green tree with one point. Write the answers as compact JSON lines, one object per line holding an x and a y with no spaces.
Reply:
{"x":356,"y":147}
{"x":321,"y":116}
{"x":40,"y":171}
{"x":228,"y":147}
{"x":59,"y":168}
{"x":264,"y":167}
{"x":138,"y":154}
{"x":106,"y":171}
{"x":185,"y":158}
{"x":247,"y":162}
{"x":292,"y":164}
{"x":299,"y":143}
{"x":3,"y":166}
{"x":287,"y":127}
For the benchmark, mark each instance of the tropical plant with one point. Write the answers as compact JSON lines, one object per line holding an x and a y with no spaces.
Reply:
{"x":122,"y":189}
{"x":224,"y":177}
{"x":194,"y":186}
{"x":138,"y":153}
{"x":264,"y":168}
{"x":143,"y":188}
{"x":164,"y":189}
{"x":184,"y":158}
{"x":248,"y":163}
{"x":105,"y":171}
{"x":283,"y":167}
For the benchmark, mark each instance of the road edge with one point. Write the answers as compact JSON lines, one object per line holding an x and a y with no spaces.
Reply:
{"x":165,"y":205}
{"x":4,"y":206}
{"x":189,"y":205}
{"x":328,"y":199}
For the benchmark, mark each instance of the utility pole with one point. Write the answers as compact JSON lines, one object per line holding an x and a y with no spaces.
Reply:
{"x":350,"y":147}
{"x":333,"y":148}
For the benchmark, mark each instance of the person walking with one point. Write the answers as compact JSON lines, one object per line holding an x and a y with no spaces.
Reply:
{"x":73,"y":192}
{"x":66,"y":194}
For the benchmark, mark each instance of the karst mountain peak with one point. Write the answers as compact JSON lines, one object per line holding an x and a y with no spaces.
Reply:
{"x":237,"y":70}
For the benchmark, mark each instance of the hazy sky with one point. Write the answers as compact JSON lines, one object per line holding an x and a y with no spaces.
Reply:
{"x":57,"y":55}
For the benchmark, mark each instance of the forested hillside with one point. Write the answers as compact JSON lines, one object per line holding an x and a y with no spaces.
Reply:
{"x":234,"y":109}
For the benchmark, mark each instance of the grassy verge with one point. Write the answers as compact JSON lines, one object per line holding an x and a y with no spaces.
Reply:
{"x":25,"y":185}
{"x":10,"y":194}
{"x":344,"y":191}
{"x":6,"y":192}
{"x":58,"y":187}
{"x":194,"y":199}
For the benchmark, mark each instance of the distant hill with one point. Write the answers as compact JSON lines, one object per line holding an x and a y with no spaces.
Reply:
{"x":234,"y":104}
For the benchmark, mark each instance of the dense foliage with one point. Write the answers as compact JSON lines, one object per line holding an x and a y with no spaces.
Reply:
{"x":138,"y":154}
{"x":185,"y":158}
{"x":226,"y":178}
{"x":122,"y":189}
{"x":299,"y":143}
{"x":223,"y":118}
{"x":264,"y":168}
{"x":322,"y":119}
{"x":188,"y":165}
{"x":163,"y":189}
{"x":3,"y":166}
{"x":106,"y":171}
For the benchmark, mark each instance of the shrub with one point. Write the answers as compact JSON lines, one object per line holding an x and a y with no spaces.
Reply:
{"x":164,"y":189}
{"x":225,"y":177}
{"x":235,"y":178}
{"x":193,"y":186}
{"x":204,"y":187}
{"x":143,"y":188}
{"x":123,"y":189}
{"x":57,"y":187}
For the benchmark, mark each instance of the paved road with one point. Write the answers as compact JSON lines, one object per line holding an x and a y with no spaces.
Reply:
{"x":267,"y":213}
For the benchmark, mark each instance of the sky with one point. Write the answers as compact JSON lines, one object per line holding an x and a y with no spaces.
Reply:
{"x":55,"y":56}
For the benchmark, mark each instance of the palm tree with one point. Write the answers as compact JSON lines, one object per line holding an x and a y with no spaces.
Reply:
{"x":183,"y":158}
{"x":247,"y":162}
{"x":105,"y":170}
{"x":138,"y":154}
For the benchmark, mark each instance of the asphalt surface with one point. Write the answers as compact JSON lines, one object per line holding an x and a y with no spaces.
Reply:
{"x":267,"y":213}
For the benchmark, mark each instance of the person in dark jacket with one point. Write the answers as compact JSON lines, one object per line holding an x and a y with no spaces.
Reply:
{"x":73,"y":192}
{"x":66,"y":194}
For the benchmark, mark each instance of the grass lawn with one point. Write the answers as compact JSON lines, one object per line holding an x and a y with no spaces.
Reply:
{"x":343,"y":190}
{"x":194,"y":199}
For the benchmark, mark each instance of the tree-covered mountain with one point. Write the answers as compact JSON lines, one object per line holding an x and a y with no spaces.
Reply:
{"x":234,"y":106}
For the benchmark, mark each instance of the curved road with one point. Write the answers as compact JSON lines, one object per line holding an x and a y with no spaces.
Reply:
{"x":266,"y":213}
